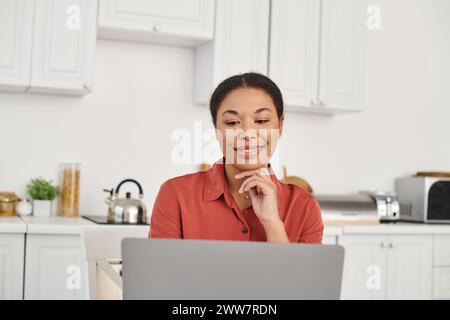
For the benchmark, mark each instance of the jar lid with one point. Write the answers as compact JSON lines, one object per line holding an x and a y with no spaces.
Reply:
{"x":8,"y":197}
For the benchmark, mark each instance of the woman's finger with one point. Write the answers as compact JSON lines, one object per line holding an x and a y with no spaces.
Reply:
{"x":244,"y":184}
{"x":252,"y":193}
{"x":264,"y":185}
{"x":264,"y":188}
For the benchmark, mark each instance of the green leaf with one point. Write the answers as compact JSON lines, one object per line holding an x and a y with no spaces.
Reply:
{"x":41,"y":189}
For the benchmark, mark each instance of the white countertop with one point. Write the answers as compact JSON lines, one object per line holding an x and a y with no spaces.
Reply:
{"x":66,"y":225}
{"x":398,"y":228}
{"x":12,"y":225}
{"x":69,"y":225}
{"x":332,"y":230}
{"x":387,"y":228}
{"x":55,"y":225}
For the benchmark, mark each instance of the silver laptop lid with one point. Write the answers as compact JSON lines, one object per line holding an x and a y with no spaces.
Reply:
{"x":198,"y":269}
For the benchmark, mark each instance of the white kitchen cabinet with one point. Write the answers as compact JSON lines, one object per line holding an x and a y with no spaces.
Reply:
{"x":329,"y":240}
{"x":240,"y":45}
{"x":16,"y":30}
{"x":179,"y":22}
{"x":364,"y":267}
{"x":441,"y":264}
{"x":64,"y":46}
{"x":55,"y":267}
{"x":294,"y":49}
{"x":387,"y":267}
{"x":342,"y":55}
{"x":441,"y":283}
{"x":442,"y":250}
{"x":11,"y":266}
{"x":317,"y":54}
{"x":410,"y":267}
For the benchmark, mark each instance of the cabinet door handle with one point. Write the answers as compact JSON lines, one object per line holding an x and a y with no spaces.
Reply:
{"x":322,"y":103}
{"x":156,"y":28}
{"x":382,"y":245}
{"x":313,"y":103}
{"x":391,"y":245}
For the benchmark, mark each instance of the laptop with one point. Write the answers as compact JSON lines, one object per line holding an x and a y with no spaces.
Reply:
{"x":173,"y":269}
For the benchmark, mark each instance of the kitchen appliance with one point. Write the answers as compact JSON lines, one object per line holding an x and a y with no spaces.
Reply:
{"x":424,"y":198}
{"x":126,"y":210}
{"x":365,"y":207}
{"x":387,"y":205}
{"x":8,"y":201}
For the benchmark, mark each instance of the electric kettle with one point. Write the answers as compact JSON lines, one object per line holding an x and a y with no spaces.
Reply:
{"x":126,"y":209}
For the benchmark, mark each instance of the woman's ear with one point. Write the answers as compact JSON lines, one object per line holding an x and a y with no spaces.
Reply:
{"x":281,"y":125}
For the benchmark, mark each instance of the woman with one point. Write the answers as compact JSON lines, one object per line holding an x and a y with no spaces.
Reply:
{"x":239,"y":197}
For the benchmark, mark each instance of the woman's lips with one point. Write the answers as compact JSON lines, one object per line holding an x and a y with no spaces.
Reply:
{"x":249,"y":151}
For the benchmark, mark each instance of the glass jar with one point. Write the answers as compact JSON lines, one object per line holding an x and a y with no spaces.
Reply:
{"x":8,"y":202}
{"x":69,"y":199}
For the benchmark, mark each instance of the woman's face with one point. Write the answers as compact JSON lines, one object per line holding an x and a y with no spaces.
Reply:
{"x":248,"y":128}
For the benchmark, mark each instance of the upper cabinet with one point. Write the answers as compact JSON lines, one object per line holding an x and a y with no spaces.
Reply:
{"x":294,"y":49}
{"x":317,"y":54}
{"x":180,"y":22}
{"x":64,"y":46}
{"x":342,"y":55}
{"x":47,"y":45}
{"x":16,"y":31}
{"x":313,"y":49}
{"x":240,"y":44}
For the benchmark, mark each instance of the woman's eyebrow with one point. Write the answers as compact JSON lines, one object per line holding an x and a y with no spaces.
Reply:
{"x":262,"y":109}
{"x":230,"y":111}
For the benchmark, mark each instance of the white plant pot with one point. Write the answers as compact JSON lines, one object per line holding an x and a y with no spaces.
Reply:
{"x":42,"y":208}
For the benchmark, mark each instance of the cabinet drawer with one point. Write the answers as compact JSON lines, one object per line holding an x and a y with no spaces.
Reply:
{"x":441,"y":285}
{"x":442,"y":250}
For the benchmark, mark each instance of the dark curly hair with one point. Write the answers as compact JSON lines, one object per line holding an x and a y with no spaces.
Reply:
{"x":246,"y":80}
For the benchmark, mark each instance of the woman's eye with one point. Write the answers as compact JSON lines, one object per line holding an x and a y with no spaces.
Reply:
{"x":262,"y":121}
{"x":231,"y":123}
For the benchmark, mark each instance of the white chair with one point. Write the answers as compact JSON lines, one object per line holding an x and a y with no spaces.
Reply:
{"x":102,"y":249}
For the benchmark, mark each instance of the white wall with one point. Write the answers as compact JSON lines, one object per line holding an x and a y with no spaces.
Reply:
{"x":144,"y":92}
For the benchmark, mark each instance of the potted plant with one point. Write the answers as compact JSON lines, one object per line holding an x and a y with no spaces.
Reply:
{"x":42,"y":192}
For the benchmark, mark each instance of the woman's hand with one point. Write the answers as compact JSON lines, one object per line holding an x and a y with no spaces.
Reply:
{"x":263,"y":194}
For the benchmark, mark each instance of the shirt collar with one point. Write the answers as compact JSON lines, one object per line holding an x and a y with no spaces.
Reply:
{"x":215,"y":181}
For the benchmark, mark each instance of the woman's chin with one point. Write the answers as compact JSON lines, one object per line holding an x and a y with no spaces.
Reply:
{"x":249,"y":166}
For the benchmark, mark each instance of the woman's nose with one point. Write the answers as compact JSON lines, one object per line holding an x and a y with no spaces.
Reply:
{"x":248,"y":126}
{"x":247,"y":132}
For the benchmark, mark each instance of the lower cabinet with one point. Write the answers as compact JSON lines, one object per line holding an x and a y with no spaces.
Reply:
{"x":441,"y":267}
{"x":375,"y":266}
{"x":387,"y":266}
{"x":55,"y":267}
{"x":329,"y":240}
{"x":11,"y":266}
{"x":441,"y":283}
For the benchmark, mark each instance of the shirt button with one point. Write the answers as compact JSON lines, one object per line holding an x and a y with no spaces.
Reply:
{"x":244,"y":230}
